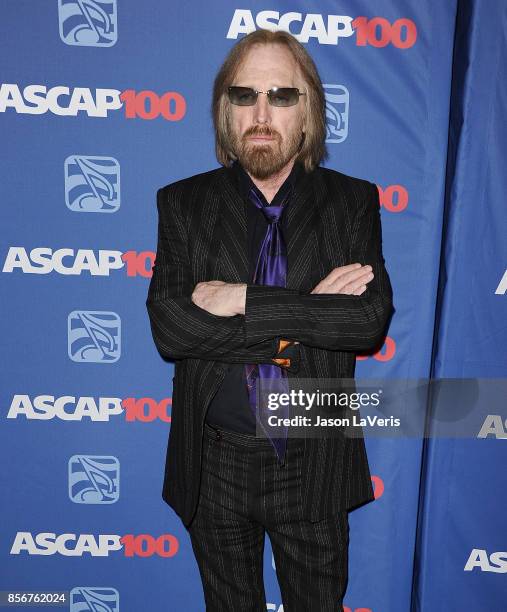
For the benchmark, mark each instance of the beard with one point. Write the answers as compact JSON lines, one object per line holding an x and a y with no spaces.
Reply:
{"x":265,"y":160}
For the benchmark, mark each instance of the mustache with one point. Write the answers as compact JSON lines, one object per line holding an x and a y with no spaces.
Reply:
{"x":259,"y":131}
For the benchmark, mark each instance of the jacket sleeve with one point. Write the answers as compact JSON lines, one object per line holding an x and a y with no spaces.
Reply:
{"x":330,"y":321}
{"x":180,"y":328}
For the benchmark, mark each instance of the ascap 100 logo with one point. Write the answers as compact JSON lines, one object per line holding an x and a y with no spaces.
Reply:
{"x":385,"y":353}
{"x":494,"y":425}
{"x":480,"y":560}
{"x":328,"y":29}
{"x":102,"y":545}
{"x":69,"y":102}
{"x":502,"y":285}
{"x":46,"y":407}
{"x":74,"y":262}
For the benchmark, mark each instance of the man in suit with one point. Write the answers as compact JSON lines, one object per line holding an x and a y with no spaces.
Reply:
{"x":269,"y":266}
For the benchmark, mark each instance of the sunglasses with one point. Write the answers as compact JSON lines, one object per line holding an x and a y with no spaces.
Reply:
{"x":277,"y":96}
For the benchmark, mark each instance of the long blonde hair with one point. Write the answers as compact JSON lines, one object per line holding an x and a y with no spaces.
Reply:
{"x":313,"y":148}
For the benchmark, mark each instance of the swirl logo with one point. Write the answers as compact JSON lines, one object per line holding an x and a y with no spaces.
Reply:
{"x":92,"y":184}
{"x":94,"y":479}
{"x":337,"y":113}
{"x":88,"y":23}
{"x":94,"y":337}
{"x":90,"y":599}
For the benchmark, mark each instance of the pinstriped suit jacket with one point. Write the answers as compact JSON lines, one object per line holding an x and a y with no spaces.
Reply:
{"x":333,"y":220}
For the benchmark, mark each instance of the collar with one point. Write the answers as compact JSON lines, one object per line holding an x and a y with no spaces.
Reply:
{"x":245,"y":183}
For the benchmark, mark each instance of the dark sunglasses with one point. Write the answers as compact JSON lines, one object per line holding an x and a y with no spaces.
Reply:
{"x":277,"y":96}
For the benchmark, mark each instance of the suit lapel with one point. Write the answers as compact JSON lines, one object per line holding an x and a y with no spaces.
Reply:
{"x":302,"y":219}
{"x":233,"y":256}
{"x":301,"y":238}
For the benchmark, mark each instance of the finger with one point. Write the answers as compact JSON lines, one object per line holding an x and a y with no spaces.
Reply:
{"x":342,"y":286}
{"x":356,"y":283}
{"x":341,"y":270}
{"x":360,"y":291}
{"x":352,"y":282}
{"x":347,"y":273}
{"x":328,"y":281}
{"x":350,"y":288}
{"x":362,"y":274}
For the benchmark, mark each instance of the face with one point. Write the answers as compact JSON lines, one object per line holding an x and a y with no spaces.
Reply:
{"x":266,"y":138}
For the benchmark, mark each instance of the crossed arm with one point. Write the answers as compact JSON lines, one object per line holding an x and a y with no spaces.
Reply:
{"x":266,"y":316}
{"x":180,"y":328}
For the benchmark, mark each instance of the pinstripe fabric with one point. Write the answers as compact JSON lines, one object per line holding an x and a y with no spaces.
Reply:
{"x":333,"y":220}
{"x":244,"y":493}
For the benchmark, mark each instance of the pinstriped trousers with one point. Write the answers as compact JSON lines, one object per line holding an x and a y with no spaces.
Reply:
{"x":245,"y":492}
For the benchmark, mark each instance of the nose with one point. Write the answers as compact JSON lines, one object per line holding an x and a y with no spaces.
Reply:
{"x":262,"y":112}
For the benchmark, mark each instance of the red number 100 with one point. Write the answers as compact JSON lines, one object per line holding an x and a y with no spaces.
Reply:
{"x":378,"y":32}
{"x":148,"y":105}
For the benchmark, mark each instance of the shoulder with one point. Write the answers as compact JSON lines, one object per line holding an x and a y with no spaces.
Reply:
{"x":188,"y":194}
{"x":189,"y":184}
{"x":345,"y":184}
{"x":351,"y":194}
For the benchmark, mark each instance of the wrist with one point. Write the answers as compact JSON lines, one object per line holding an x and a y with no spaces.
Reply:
{"x":241,"y":298}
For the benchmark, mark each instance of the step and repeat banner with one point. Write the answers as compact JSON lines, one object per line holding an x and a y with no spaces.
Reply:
{"x":102,"y":102}
{"x":462,"y":547}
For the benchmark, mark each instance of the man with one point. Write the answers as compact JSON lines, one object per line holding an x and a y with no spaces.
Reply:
{"x":237,"y":293}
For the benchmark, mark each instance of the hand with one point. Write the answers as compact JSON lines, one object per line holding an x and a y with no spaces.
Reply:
{"x":220,"y":298}
{"x":350,"y":280}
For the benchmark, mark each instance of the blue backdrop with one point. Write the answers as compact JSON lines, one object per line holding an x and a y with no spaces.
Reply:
{"x":104,"y":101}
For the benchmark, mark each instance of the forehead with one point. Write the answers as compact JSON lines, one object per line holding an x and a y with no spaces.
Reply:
{"x":268,"y":65}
